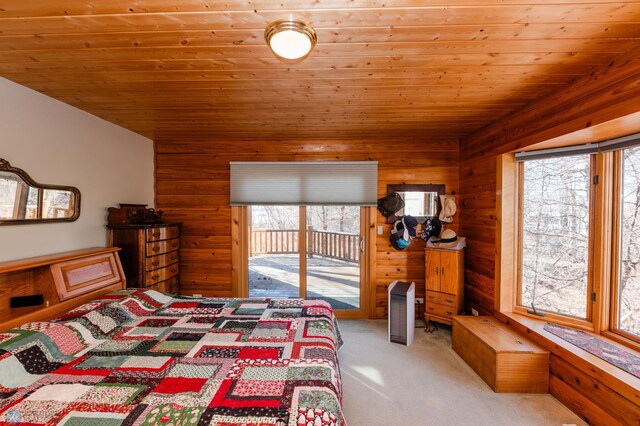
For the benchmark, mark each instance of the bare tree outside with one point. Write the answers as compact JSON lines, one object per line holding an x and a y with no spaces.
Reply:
{"x":629,"y":284}
{"x":334,"y":218}
{"x":555,"y":234}
{"x":274,"y":217}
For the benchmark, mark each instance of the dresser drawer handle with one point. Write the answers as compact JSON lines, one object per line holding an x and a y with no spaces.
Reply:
{"x":156,"y":234}
{"x":155,"y":263}
{"x":174,"y":245}
{"x":174,"y":257}
{"x":155,"y":277}
{"x":173,"y":270}
{"x":156,"y":248}
{"x":449,"y":313}
{"x":448,"y":300}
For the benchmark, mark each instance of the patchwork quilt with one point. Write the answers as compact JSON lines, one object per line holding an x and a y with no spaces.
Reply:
{"x":140,"y":357}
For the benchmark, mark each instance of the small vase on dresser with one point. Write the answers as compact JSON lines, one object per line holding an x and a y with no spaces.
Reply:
{"x":150,"y":252}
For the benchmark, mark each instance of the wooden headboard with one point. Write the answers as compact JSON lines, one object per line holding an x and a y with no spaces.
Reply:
{"x":65,"y":280}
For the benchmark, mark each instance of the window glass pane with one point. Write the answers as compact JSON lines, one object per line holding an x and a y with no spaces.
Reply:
{"x":555,"y":235}
{"x":629,"y":285}
{"x":274,"y":259}
{"x":333,"y":255}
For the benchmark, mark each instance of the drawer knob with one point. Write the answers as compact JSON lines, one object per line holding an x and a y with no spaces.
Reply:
{"x":156,"y":248}
{"x":174,"y":257}
{"x":173,"y":270}
{"x":449,"y":313}
{"x":449,"y":300}
{"x":174,"y":245}
{"x":155,"y":277}
{"x":156,"y":234}
{"x":155,"y":263}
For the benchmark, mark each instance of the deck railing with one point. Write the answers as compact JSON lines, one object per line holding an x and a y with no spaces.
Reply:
{"x":274,"y":241}
{"x":334,"y":245}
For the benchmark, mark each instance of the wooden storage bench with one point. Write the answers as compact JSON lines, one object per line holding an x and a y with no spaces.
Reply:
{"x":504,"y":359}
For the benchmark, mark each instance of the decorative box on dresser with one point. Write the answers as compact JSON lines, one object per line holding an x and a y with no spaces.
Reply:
{"x":444,"y":281}
{"x":150,"y":254}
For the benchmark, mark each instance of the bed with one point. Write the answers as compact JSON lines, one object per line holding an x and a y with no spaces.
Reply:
{"x":141,"y":357}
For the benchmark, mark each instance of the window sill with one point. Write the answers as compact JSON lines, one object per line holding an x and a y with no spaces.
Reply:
{"x":613,"y":377}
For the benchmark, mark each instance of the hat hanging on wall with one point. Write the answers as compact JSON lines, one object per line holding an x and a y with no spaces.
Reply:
{"x":403,"y":231}
{"x":390,"y":204}
{"x":449,"y":208}
{"x":431,"y":228}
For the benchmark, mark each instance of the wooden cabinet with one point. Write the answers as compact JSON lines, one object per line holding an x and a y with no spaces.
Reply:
{"x":150,"y":254}
{"x":444,"y":281}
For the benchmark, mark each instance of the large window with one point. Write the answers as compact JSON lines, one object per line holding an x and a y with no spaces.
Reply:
{"x":627,"y":286}
{"x":555,"y":235}
{"x":576,"y":258}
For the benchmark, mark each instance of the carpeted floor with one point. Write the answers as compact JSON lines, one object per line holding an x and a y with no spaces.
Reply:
{"x":386,"y":384}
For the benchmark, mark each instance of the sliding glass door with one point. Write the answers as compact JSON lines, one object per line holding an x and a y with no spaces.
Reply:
{"x":311,"y":252}
{"x":334,"y":247}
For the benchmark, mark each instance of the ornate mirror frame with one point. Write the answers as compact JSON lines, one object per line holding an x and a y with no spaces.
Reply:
{"x":6,"y":167}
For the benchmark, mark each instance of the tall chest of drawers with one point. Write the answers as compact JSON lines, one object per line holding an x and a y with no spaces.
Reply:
{"x":444,"y":282}
{"x":150,"y":255}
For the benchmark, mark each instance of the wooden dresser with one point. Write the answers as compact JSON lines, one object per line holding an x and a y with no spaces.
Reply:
{"x":150,"y":254}
{"x":444,"y":281}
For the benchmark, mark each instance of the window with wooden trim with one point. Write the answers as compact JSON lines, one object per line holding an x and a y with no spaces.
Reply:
{"x":554,"y":233}
{"x":625,"y":318}
{"x":569,"y":239}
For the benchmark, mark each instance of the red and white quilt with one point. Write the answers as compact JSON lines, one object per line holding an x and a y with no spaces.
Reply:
{"x":140,"y":357}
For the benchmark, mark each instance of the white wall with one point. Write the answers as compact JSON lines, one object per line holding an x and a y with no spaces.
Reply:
{"x":59,"y":144}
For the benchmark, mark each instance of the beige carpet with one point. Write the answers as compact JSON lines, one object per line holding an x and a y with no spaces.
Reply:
{"x":387,"y":384}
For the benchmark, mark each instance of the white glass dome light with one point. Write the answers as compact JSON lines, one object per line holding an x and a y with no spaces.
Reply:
{"x":290,"y":40}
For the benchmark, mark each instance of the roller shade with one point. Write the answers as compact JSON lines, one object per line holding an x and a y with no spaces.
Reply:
{"x":304,"y":183}
{"x":590,"y":148}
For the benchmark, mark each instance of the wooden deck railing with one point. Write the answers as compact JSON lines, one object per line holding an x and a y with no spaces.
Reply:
{"x":334,"y":245}
{"x":274,"y":241}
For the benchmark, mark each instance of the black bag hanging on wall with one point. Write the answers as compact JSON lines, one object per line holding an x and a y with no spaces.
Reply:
{"x":390,"y":204}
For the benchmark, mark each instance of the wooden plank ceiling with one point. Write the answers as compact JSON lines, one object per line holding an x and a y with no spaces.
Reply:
{"x":199,"y":69}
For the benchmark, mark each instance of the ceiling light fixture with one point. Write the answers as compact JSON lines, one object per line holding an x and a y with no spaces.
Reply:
{"x":290,"y":39}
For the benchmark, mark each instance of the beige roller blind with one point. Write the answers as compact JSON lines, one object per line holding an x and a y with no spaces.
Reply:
{"x":304,"y":183}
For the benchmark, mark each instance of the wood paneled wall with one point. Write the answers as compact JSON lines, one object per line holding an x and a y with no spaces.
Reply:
{"x":608,"y":94}
{"x":192,"y":186}
{"x":596,"y":100}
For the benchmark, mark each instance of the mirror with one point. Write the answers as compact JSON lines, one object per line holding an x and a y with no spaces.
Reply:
{"x":419,"y":204}
{"x":420,"y":201}
{"x":22,"y":200}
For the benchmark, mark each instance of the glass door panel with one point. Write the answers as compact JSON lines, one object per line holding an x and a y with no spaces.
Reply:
{"x":274,"y":254}
{"x":333,"y":259}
